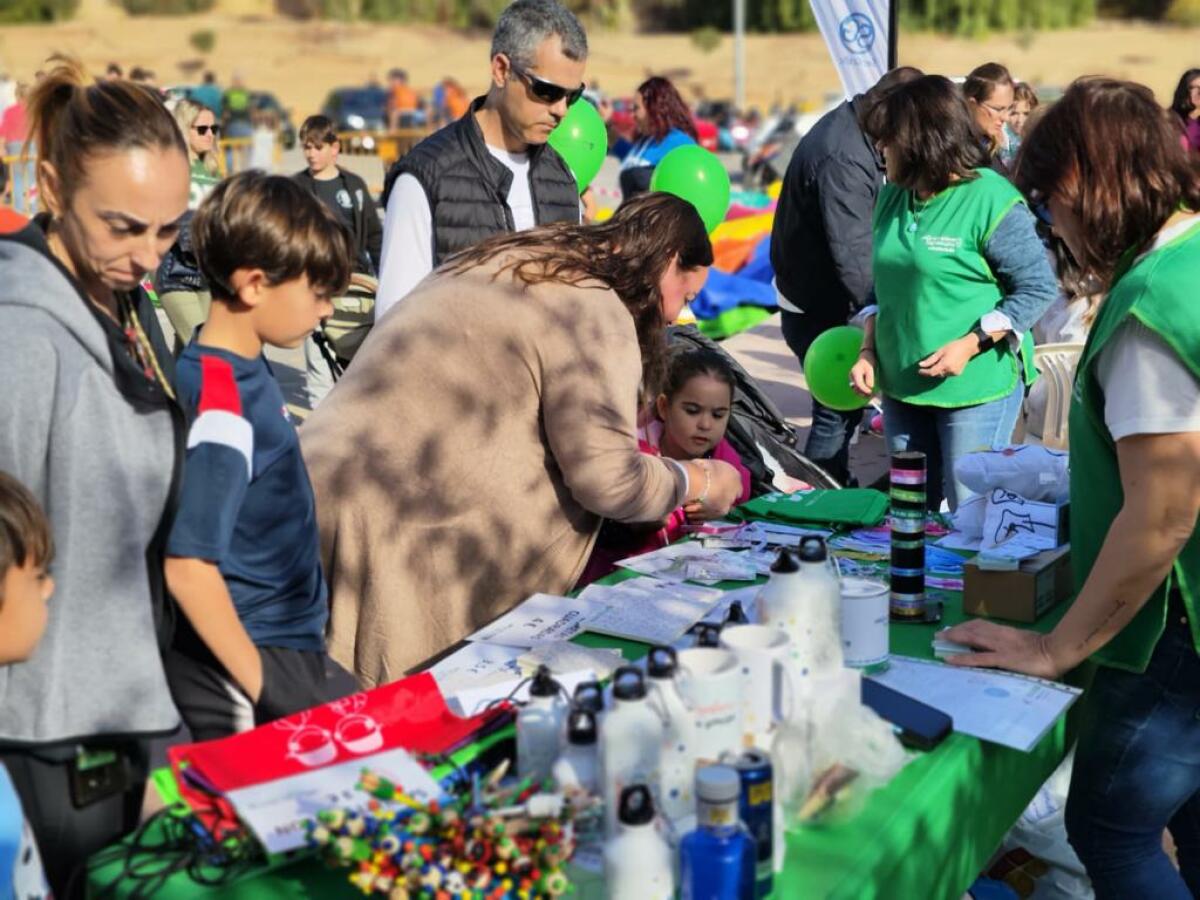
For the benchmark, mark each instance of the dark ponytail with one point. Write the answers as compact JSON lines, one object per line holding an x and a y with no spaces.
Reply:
{"x":72,"y":119}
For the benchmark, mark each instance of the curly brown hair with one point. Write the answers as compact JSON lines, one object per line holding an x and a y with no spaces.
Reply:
{"x":665,"y":109}
{"x":629,"y":254}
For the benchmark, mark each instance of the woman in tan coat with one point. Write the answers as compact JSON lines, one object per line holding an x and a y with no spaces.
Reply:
{"x":489,"y":424}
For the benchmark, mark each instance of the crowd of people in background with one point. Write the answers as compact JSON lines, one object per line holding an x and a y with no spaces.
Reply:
{"x":505,"y":388}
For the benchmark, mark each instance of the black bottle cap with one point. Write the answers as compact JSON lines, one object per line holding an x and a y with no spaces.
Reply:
{"x":812,"y":549}
{"x":784,"y":563}
{"x":589,"y":695}
{"x":708,"y":635}
{"x":661,"y":662}
{"x":543,"y":684}
{"x":636,"y":806}
{"x":581,"y":727}
{"x":736,"y":615}
{"x":628,"y":683}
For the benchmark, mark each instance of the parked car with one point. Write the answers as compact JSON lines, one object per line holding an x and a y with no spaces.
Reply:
{"x":357,"y":108}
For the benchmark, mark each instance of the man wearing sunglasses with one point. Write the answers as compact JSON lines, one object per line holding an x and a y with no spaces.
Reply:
{"x":492,"y":170}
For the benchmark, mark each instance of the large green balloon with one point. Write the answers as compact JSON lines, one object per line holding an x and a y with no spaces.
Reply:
{"x":696,"y":175}
{"x":581,"y":139}
{"x":827,"y":368}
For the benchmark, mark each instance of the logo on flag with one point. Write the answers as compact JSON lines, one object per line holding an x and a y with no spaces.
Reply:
{"x":857,"y":32}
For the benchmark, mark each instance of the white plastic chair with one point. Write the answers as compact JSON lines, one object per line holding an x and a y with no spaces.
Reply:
{"x":1048,"y":425}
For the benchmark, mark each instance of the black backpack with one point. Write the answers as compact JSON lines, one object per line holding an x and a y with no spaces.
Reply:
{"x":757,"y":429}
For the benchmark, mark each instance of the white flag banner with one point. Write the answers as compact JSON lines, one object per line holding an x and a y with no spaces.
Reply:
{"x":856,"y":32}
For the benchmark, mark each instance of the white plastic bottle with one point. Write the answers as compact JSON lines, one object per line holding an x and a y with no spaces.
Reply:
{"x":540,"y":727}
{"x":678,"y":761}
{"x":631,"y":736}
{"x":637,"y":861}
{"x":803,"y":599}
{"x":576,"y":769}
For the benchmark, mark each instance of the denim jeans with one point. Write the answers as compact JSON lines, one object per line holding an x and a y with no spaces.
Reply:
{"x":945,"y":435}
{"x":1137,"y":771}
{"x":829,"y":438}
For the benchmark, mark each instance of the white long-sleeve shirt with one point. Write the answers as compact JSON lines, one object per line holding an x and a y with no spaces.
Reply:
{"x":407,"y":255}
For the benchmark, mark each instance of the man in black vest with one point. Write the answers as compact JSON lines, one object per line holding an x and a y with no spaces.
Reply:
{"x":821,"y":246}
{"x":492,"y":170}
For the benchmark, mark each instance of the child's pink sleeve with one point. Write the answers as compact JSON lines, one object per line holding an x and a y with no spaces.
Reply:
{"x":724,"y":451}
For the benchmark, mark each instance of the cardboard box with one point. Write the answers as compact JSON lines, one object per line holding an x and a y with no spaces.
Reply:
{"x":1022,"y":595}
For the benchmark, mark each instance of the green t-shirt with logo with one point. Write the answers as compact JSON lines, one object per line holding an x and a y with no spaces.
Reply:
{"x":202,"y":183}
{"x":933,"y":285}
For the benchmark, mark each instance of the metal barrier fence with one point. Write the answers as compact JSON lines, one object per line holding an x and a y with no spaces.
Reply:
{"x":234,"y":155}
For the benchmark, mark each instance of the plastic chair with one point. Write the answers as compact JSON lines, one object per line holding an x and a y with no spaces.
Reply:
{"x":1056,"y":363}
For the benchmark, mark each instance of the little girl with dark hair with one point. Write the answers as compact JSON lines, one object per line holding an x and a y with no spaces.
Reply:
{"x":689,"y":422}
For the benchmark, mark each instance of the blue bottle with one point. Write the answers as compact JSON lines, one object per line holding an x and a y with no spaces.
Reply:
{"x":718,"y":858}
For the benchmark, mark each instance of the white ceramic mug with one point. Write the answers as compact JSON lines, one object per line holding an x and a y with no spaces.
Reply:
{"x":710,"y":681}
{"x":765,"y":665}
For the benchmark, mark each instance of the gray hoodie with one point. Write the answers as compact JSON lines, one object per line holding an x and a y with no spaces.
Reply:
{"x":99,"y":445}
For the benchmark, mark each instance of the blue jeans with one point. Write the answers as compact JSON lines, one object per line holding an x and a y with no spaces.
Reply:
{"x":945,"y":435}
{"x":829,"y":438}
{"x":1137,"y":771}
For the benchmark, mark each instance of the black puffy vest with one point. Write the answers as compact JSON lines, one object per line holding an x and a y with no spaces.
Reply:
{"x":467,"y":187}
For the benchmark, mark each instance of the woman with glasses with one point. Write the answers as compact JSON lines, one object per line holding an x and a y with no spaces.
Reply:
{"x":960,"y":278}
{"x":1186,"y":105}
{"x":181,"y":288}
{"x":1124,"y":196}
{"x":989,"y":90}
{"x":661,"y":122}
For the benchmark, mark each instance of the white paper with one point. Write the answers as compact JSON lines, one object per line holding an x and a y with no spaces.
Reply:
{"x":475,"y":664}
{"x":276,"y":810}
{"x":1015,"y":525}
{"x":563,"y":656}
{"x":537,"y":620}
{"x":956,"y":540}
{"x":690,"y":561}
{"x":1000,"y":707}
{"x":644,"y":609}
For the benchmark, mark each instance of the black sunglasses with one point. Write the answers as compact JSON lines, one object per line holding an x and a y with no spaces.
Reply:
{"x":547,"y":91}
{"x":205,"y":129}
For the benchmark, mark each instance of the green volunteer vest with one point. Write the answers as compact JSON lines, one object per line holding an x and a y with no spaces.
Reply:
{"x":1159,"y":291}
{"x":933,"y":285}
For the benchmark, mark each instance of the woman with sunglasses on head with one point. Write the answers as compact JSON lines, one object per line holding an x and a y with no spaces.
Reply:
{"x":491,"y":171}
{"x":1123,"y":195}
{"x":662,"y":123}
{"x":181,"y":288}
{"x":960,"y":278}
{"x":989,"y":90}
{"x":89,"y":422}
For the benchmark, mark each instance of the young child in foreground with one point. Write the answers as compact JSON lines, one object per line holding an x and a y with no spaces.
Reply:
{"x":26,"y":548}
{"x":243,"y":560}
{"x":690,"y":418}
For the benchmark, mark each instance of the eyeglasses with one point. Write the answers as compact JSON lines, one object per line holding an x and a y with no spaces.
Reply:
{"x":997,"y":110}
{"x":205,"y":129}
{"x":547,"y":91}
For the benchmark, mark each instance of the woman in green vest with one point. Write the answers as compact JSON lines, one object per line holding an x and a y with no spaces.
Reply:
{"x":1108,"y":166}
{"x":960,"y":278}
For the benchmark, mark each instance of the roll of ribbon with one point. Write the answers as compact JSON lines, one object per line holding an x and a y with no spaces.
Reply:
{"x":907,"y":523}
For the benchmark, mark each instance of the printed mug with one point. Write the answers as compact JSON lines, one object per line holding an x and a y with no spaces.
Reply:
{"x":768,"y":684}
{"x":710,"y":682}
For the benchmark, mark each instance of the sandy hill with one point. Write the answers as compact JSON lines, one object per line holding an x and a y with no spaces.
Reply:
{"x":302,"y":61}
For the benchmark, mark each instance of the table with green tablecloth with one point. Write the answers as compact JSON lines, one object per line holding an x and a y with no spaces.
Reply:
{"x":927,"y":834}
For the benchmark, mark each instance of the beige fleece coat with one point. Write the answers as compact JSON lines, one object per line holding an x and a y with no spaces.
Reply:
{"x":467,"y":457}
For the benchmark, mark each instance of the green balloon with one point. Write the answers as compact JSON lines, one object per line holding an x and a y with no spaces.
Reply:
{"x":696,"y":175}
{"x":581,"y":139}
{"x":827,"y":368}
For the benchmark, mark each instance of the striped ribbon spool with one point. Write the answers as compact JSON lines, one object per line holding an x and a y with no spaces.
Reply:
{"x":907,"y":524}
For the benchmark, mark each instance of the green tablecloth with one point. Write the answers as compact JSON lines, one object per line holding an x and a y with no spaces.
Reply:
{"x":927,"y":834}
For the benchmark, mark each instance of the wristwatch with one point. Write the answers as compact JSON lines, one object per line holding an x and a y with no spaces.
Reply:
{"x":986,"y":341}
